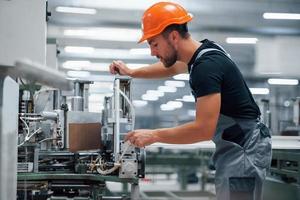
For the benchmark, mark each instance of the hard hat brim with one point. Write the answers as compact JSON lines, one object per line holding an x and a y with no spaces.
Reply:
{"x":146,"y":36}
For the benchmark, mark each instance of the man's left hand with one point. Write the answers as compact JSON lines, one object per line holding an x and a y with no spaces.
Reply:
{"x":141,"y":137}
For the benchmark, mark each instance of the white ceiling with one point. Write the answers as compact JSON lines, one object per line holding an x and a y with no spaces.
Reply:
{"x":213,"y":19}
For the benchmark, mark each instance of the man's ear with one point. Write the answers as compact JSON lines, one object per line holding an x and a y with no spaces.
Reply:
{"x":174,"y":36}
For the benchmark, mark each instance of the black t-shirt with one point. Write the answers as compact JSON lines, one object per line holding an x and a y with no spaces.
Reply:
{"x":214,"y":72}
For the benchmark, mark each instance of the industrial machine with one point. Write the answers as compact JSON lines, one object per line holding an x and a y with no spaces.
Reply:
{"x":66,"y":152}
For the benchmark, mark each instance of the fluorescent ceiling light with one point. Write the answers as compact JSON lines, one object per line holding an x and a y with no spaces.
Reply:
{"x":76,"y":65}
{"x":82,"y":50}
{"x":78,"y":74}
{"x":260,"y":91}
{"x":277,"y":81}
{"x":188,"y":98}
{"x":167,"y":89}
{"x":270,"y":73}
{"x":166,"y":107}
{"x":175,"y":83}
{"x":241,"y":40}
{"x":171,"y":105}
{"x":90,"y":52}
{"x":183,"y":77}
{"x":140,"y":51}
{"x":175,"y":104}
{"x":92,"y":66}
{"x":155,"y":93}
{"x":192,"y":113}
{"x":107,"y":34}
{"x":290,"y":16}
{"x":76,"y":10}
{"x":139,"y":103}
{"x":86,"y":65}
{"x":147,"y":97}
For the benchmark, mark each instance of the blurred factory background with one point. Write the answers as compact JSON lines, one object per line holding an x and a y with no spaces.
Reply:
{"x":98,"y":32}
{"x":80,"y":38}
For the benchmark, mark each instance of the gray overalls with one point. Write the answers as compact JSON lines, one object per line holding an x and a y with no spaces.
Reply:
{"x":240,"y":166}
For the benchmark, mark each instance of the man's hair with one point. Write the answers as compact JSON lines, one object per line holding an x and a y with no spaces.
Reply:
{"x":182,"y":29}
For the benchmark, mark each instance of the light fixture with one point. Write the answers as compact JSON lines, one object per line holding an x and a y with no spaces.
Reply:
{"x":155,"y":93}
{"x":289,"y":16}
{"x":139,"y":103}
{"x":271,"y":73}
{"x":76,"y":10}
{"x":175,"y":83}
{"x":85,"y":65}
{"x":147,"y":97}
{"x":78,"y":74}
{"x":277,"y":81}
{"x":183,"y":77}
{"x":106,"y":34}
{"x":192,"y":113}
{"x":82,"y":50}
{"x":76,"y":64}
{"x":93,"y":66}
{"x":260,"y":91}
{"x":166,"y":107}
{"x":188,"y":98}
{"x":175,"y":104}
{"x":101,"y":53}
{"x":167,"y":89}
{"x":241,"y":40}
{"x":140,"y":51}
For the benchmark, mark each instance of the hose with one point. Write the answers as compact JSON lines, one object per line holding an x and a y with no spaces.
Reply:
{"x":127,"y":143}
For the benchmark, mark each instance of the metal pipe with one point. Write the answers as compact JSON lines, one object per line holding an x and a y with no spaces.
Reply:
{"x":39,"y":73}
{"x":49,"y":115}
{"x":77,"y":103}
{"x":77,"y":89}
{"x":117,"y":117}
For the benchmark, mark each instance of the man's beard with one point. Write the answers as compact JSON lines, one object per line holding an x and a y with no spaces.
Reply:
{"x":171,"y":58}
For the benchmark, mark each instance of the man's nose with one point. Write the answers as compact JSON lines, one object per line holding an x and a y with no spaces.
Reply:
{"x":153,"y":52}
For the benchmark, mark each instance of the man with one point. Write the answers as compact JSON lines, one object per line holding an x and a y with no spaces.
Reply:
{"x":225,"y":109}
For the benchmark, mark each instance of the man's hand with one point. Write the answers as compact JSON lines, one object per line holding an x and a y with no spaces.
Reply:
{"x":142,"y":137}
{"x":119,"y":67}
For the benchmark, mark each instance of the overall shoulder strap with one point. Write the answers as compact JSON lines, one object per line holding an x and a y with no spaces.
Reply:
{"x":208,"y":50}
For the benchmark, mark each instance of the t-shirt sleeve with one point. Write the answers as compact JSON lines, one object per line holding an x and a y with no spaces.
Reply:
{"x":206,"y":78}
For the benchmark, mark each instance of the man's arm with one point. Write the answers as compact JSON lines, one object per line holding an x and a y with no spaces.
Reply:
{"x":202,"y":128}
{"x":156,"y":70}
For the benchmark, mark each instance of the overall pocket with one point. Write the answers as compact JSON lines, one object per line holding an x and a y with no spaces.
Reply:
{"x":263,"y":153}
{"x":234,"y":134}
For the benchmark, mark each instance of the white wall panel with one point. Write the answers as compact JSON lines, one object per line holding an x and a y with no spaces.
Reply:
{"x":22,"y":31}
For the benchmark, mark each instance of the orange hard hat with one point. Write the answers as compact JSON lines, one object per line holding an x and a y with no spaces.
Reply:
{"x":160,"y":15}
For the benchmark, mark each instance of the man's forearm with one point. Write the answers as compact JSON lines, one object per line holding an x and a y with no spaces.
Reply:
{"x":185,"y":134}
{"x":157,"y":70}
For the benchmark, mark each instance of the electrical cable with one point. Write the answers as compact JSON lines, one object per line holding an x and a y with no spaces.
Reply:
{"x":27,"y":138}
{"x":131,"y":106}
{"x":127,"y":143}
